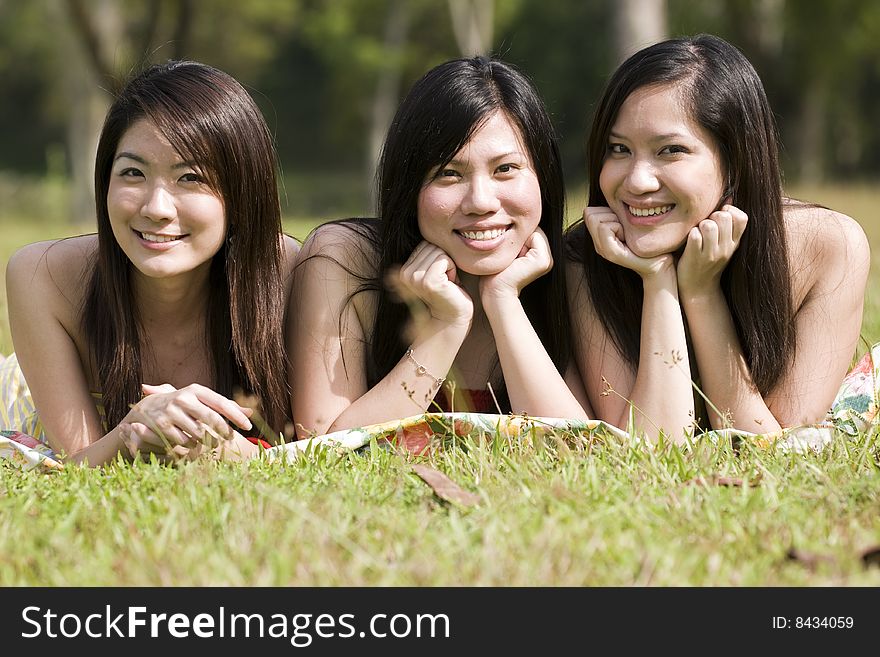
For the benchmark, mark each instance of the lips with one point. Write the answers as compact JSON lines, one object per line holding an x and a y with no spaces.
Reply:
{"x":485,"y":234}
{"x":645,"y":216}
{"x":158,"y":238}
{"x":649,"y":212}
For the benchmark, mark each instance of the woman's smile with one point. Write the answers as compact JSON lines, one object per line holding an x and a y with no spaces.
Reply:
{"x":483,"y":205}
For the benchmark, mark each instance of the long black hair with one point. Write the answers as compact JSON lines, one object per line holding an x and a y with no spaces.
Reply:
{"x":724,"y":95}
{"x":435,"y":120}
{"x":210,"y":119}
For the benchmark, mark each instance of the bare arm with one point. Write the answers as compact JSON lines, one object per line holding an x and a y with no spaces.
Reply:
{"x":45,"y":287}
{"x":829,"y":291}
{"x":658,"y":396}
{"x":533,"y":383}
{"x":328,"y":339}
{"x":39,"y":313}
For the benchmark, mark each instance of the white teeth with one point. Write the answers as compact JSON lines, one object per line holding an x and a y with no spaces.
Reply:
{"x":649,"y":212}
{"x":484,"y":234}
{"x":152,"y":237}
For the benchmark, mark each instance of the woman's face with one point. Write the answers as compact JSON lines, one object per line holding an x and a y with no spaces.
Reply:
{"x":662,"y":173}
{"x":485,"y":203}
{"x":165,"y":217}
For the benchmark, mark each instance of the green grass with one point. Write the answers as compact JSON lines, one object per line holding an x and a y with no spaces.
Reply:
{"x":551,"y":512}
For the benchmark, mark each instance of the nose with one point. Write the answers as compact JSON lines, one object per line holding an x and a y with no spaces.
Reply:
{"x":158,"y":204}
{"x":481,"y":197}
{"x":641,"y":177}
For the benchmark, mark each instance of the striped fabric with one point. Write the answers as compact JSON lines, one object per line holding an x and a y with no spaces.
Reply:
{"x":17,"y":410}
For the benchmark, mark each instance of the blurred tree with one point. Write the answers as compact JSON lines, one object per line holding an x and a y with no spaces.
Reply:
{"x":472,"y":24}
{"x":829,"y":51}
{"x":820,"y":63}
{"x":638,"y":23}
{"x":330,"y":72}
{"x":31,"y":112}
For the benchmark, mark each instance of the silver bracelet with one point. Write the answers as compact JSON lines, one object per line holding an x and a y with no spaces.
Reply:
{"x":421,"y":371}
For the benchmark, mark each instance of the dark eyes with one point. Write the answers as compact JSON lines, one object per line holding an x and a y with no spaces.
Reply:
{"x":453,"y":173}
{"x":672,"y":149}
{"x":133,"y":172}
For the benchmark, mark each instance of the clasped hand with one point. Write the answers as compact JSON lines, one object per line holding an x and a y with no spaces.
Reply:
{"x":534,"y":260}
{"x":180,"y":424}
{"x":708,"y":249}
{"x":710,"y":246}
{"x":429,"y":278}
{"x":428,"y":282}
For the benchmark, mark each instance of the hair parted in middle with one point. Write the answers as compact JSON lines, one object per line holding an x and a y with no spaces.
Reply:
{"x":723,"y":94}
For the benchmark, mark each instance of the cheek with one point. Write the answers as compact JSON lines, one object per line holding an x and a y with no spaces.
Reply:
{"x":120,"y":201}
{"x":433,"y":207}
{"x":211,"y":213}
{"x":525,"y":203}
{"x":608,"y":176}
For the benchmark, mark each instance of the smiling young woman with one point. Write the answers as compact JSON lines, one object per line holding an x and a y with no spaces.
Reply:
{"x":690,"y":265}
{"x":133,"y":341}
{"x":455,"y":280}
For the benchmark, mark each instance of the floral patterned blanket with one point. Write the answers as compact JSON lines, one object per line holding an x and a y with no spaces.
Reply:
{"x":855,"y":409}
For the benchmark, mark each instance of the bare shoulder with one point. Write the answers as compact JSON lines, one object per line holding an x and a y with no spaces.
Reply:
{"x":348,"y":245}
{"x":824,"y":234}
{"x":290,"y":248}
{"x":53,"y":270}
{"x":828,"y":250}
{"x":290,"y":245}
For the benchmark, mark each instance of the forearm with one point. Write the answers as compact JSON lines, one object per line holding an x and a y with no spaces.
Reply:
{"x":725,"y":378}
{"x":533,"y":383}
{"x":407,"y":389}
{"x":102,"y":451}
{"x":662,"y":396}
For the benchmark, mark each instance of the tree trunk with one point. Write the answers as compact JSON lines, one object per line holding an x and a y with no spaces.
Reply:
{"x":85,"y":73}
{"x":638,"y":23}
{"x":100,"y":53}
{"x":472,"y":24}
{"x":387,"y":89}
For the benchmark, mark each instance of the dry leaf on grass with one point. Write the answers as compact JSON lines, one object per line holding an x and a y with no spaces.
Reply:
{"x":444,"y":487}
{"x":871,"y":556}
{"x":810,"y":560}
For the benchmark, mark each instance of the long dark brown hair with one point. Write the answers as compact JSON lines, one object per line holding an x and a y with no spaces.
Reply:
{"x":724,"y":95}
{"x":211,"y":120}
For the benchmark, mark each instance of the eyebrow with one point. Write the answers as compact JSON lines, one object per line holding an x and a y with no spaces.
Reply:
{"x":138,"y":158}
{"x":669,"y":136}
{"x":502,"y":156}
